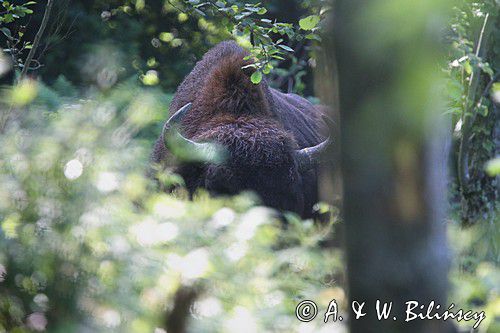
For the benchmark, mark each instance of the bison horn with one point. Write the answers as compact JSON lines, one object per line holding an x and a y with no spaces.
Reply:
{"x":308,"y":157}
{"x":206,"y":150}
{"x":177,"y":117}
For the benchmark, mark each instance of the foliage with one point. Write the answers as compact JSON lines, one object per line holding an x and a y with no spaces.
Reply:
{"x":267,"y":39}
{"x":161,"y":40}
{"x":16,"y":45}
{"x":247,"y":21}
{"x":493,"y":167}
{"x":473,"y":70}
{"x":87,"y":244}
{"x":11,"y":12}
{"x":86,"y":241}
{"x":146,"y":40}
{"x":475,"y":272}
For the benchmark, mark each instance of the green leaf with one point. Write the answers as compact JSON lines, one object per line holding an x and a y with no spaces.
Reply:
{"x":482,"y":110}
{"x":468,"y":67}
{"x":493,"y":167}
{"x":313,"y":36}
{"x":495,"y":92}
{"x":286,"y":48}
{"x":6,"y":32}
{"x":486,"y":68}
{"x":256,"y":77}
{"x":8,"y":18}
{"x":309,"y":22}
{"x":267,"y":68}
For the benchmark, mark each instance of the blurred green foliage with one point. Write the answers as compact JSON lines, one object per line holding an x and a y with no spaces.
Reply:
{"x":88,"y":244}
{"x":475,"y":272}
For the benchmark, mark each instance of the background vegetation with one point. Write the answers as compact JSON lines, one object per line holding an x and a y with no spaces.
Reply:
{"x":88,"y":244}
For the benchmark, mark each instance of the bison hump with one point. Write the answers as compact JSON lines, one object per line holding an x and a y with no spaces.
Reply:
{"x":228,"y":89}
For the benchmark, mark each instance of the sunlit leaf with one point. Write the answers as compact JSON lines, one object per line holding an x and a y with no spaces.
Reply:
{"x":309,"y":22}
{"x":493,"y":167}
{"x":256,"y":77}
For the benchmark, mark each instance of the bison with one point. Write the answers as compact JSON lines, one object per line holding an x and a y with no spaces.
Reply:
{"x":273,"y":140}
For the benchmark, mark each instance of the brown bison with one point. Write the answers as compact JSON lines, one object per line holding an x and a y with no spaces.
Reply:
{"x":273,"y":140}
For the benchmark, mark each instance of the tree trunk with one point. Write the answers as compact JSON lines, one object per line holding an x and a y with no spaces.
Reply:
{"x":393,"y":158}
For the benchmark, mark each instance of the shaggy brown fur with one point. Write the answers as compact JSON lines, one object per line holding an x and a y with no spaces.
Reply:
{"x":259,"y":126}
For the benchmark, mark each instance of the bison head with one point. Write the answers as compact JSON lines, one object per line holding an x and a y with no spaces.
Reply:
{"x":260,"y":156}
{"x":272,"y":140}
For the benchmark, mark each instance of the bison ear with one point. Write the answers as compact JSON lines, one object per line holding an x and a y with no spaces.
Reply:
{"x":229,"y":89}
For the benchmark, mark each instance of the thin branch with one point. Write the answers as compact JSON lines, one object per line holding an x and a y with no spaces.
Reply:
{"x":481,"y":35}
{"x":56,"y":28}
{"x":176,"y":8}
{"x":38,"y":37}
{"x":463,"y":154}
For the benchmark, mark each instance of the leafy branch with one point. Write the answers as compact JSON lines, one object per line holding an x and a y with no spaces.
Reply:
{"x":9,"y":14}
{"x":267,"y":36}
{"x":472,"y":73}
